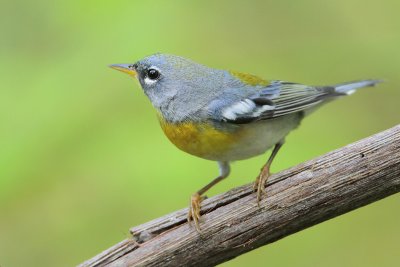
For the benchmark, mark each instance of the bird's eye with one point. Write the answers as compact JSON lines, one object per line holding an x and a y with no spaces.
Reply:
{"x":153,"y":74}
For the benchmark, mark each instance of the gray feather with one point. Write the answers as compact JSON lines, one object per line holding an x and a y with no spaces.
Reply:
{"x":283,"y":98}
{"x":350,"y":87}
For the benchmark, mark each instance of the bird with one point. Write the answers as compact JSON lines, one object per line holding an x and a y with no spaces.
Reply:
{"x":224,"y":115}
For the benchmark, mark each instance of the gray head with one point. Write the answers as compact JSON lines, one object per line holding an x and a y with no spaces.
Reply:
{"x":169,"y":80}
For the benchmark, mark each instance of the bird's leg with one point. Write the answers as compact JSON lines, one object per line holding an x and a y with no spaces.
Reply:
{"x":195,"y":200}
{"x":261,"y":180}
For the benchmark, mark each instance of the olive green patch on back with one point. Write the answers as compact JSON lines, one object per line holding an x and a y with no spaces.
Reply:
{"x":249,"y":78}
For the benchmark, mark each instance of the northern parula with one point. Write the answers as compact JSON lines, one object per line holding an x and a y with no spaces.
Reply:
{"x":225,"y":115}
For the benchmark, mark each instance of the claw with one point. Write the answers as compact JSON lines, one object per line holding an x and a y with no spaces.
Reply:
{"x":194,"y":210}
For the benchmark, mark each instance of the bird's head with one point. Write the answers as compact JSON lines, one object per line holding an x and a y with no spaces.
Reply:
{"x":168,"y":79}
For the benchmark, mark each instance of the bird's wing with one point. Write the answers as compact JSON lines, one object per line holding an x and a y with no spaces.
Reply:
{"x":276,"y":99}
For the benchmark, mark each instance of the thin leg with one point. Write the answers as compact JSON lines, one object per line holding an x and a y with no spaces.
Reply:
{"x":262,"y":178}
{"x":195,"y":201}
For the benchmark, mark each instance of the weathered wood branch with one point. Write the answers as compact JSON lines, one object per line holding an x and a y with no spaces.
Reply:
{"x":297,"y":198}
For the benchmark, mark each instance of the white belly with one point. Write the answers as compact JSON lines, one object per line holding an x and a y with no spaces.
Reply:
{"x":260,"y":136}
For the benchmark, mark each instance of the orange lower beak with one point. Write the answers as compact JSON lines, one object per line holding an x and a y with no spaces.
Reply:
{"x":127,"y":68}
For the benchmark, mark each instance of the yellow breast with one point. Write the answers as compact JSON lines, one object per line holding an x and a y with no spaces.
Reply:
{"x":200,"y":139}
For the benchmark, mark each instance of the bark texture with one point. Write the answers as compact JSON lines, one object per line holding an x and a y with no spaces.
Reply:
{"x":297,"y":198}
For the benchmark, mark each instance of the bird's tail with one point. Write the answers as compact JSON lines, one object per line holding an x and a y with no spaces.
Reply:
{"x":350,"y":87}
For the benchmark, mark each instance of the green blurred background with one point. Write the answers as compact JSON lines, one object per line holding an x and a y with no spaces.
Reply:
{"x":82,"y":156}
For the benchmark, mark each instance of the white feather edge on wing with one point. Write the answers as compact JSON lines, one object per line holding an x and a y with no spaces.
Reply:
{"x":243,"y":107}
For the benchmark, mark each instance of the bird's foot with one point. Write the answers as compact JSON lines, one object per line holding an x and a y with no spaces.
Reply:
{"x":260,"y":183}
{"x":194,"y":210}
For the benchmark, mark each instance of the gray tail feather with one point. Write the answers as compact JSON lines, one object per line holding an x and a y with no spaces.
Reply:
{"x":350,"y":87}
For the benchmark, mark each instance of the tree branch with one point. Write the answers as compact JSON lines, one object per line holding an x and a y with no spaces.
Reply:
{"x":297,"y":198}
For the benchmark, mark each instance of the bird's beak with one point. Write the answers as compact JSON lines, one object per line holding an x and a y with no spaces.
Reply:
{"x":127,"y":68}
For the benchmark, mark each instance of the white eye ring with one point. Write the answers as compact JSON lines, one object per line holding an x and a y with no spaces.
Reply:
{"x":150,"y":81}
